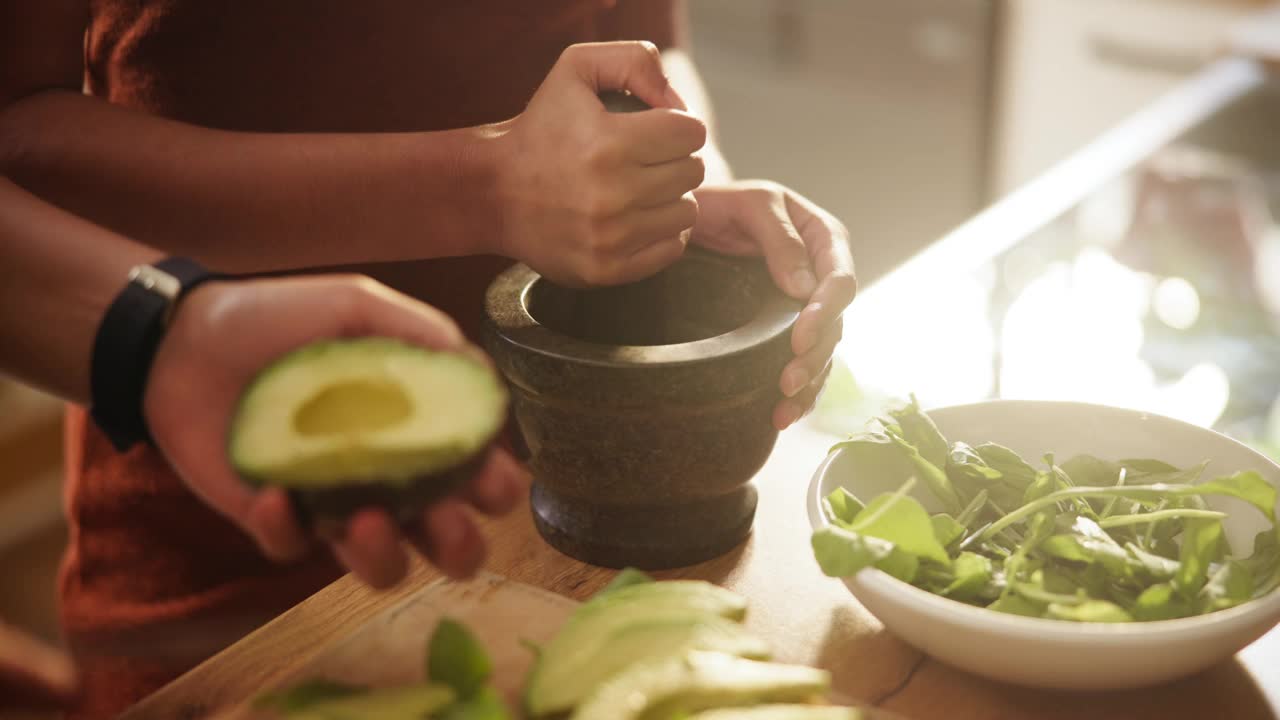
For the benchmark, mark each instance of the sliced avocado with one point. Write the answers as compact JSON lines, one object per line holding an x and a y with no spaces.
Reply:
{"x":781,"y":712}
{"x":699,"y":681}
{"x":565,"y":676}
{"x":669,"y":594}
{"x":413,"y":701}
{"x":593,"y":623}
{"x":368,"y":421}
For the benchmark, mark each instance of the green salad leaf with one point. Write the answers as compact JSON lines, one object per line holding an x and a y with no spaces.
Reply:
{"x":457,"y":660}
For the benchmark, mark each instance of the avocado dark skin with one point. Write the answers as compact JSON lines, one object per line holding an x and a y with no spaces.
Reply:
{"x":326,"y":510}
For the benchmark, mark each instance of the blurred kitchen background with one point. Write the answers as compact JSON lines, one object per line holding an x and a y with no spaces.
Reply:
{"x":905,"y":118}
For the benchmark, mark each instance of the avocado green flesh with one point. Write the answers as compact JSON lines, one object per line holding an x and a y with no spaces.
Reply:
{"x":781,"y":712}
{"x":415,"y":701}
{"x":364,"y":411}
{"x":563,"y":679}
{"x":699,"y":681}
{"x":589,"y":631}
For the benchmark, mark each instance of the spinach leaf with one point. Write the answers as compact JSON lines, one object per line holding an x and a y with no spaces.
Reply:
{"x":1160,"y":602}
{"x":973,"y":573}
{"x":901,"y":520}
{"x":841,"y":505}
{"x":1154,"y":566}
{"x":1201,"y":541}
{"x":841,"y":553}
{"x":946,"y":529}
{"x":876,"y":454}
{"x":933,"y":475}
{"x":457,"y":660}
{"x":1017,"y":605}
{"x":1090,"y":611}
{"x":900,"y":564}
{"x":919,"y":430}
{"x":1229,"y":584}
{"x":1264,"y":563}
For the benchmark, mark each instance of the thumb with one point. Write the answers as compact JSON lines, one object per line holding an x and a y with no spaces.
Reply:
{"x":633,"y":66}
{"x":782,"y":246}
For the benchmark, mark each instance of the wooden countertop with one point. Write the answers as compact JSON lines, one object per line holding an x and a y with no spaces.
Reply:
{"x":810,"y":618}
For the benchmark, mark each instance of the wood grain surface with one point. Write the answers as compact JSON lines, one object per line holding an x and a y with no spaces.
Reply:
{"x":809,"y":618}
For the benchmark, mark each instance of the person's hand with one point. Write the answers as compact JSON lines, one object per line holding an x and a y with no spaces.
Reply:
{"x":33,"y":675}
{"x":807,"y":251}
{"x":223,"y":334}
{"x":591,"y":197}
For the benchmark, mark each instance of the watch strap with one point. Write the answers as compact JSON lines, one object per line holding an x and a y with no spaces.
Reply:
{"x":126,"y":344}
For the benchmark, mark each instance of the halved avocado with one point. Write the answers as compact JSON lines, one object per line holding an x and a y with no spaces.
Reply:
{"x":346,"y":424}
{"x":699,"y":681}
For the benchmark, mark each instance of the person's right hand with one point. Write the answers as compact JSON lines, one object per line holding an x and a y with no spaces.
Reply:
{"x":591,"y":197}
{"x":223,"y":334}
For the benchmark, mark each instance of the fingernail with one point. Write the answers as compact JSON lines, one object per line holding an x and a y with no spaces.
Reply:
{"x":794,"y":380}
{"x":803,"y":282}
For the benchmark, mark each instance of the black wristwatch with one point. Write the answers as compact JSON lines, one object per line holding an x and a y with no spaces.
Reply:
{"x":126,"y":344}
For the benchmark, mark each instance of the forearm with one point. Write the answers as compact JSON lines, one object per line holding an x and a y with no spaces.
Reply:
{"x":58,"y":274}
{"x":255,"y":201}
{"x":684,"y":77}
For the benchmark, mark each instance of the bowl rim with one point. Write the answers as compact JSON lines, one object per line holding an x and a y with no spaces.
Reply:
{"x":514,"y":325}
{"x":877,"y":581}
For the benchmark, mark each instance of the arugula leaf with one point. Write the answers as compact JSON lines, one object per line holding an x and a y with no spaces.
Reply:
{"x":1248,"y":486}
{"x":879,"y":456}
{"x":842,"y":505}
{"x":1230,"y":584}
{"x":1160,"y":602}
{"x":456,"y":659}
{"x":946,"y":529}
{"x":1090,"y":611}
{"x":902,"y":521}
{"x":309,"y":693}
{"x":919,"y":430}
{"x":973,"y":572}
{"x":1201,"y":541}
{"x":1089,"y":470}
{"x":1013,"y":469}
{"x":842,"y":553}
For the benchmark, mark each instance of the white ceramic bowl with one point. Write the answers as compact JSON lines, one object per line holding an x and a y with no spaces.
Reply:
{"x":1052,"y":653}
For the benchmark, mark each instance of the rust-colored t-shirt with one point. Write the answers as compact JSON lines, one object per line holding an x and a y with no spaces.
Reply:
{"x":154,"y":581}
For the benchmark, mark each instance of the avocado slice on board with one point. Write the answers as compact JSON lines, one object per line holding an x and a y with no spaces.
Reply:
{"x":699,"y":681}
{"x":346,"y":424}
{"x":563,"y":678}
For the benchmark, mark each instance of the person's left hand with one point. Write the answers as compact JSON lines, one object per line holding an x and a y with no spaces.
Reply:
{"x":807,"y":252}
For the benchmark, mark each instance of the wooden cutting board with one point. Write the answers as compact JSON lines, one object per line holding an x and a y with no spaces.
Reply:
{"x":390,"y":649}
